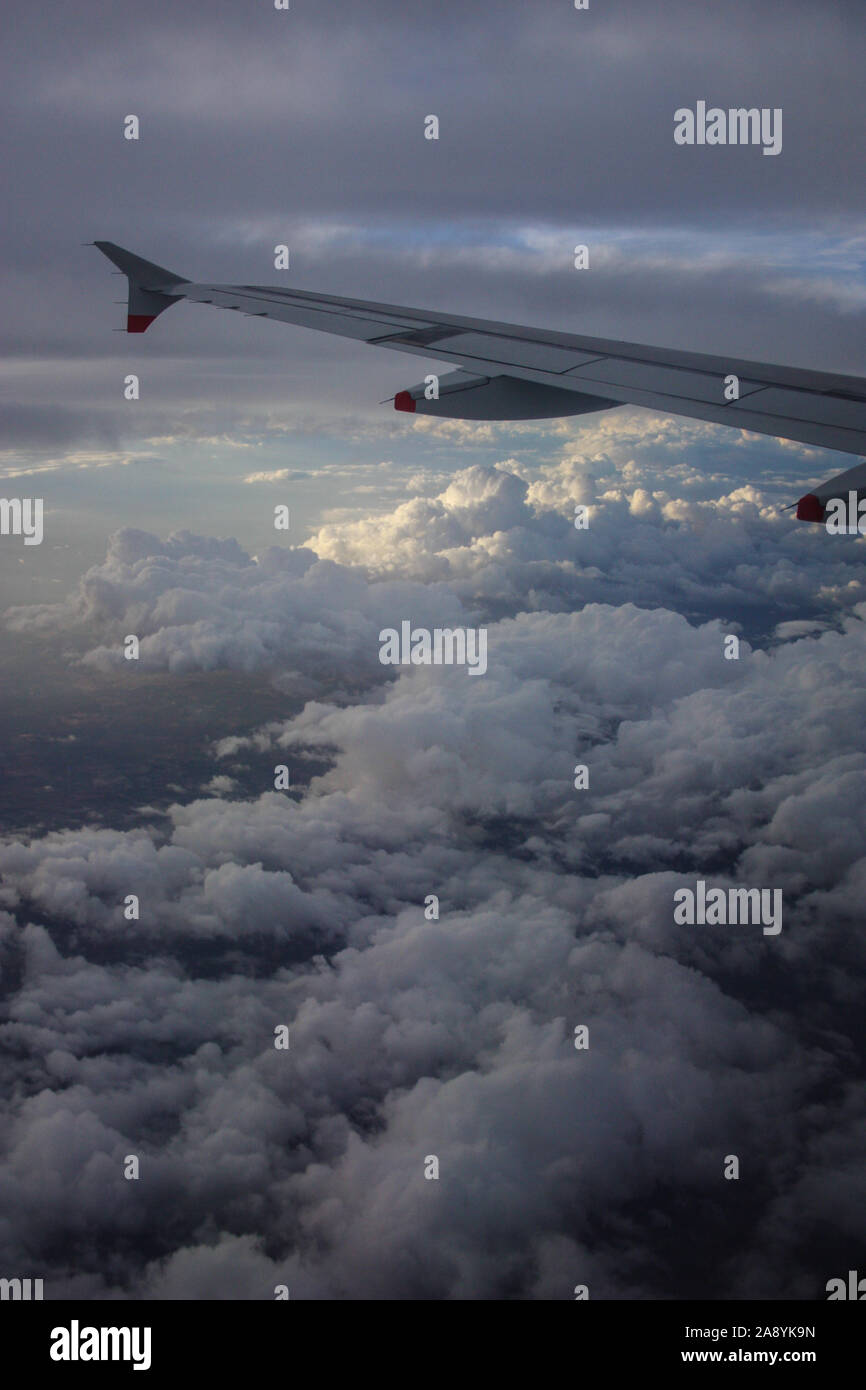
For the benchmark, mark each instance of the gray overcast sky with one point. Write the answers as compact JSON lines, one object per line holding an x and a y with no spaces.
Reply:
{"x":306,"y":126}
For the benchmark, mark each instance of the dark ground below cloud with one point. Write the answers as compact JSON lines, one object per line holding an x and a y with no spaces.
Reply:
{"x":77,"y":749}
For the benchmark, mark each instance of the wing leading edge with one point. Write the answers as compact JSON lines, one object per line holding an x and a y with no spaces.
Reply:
{"x":505,"y":371}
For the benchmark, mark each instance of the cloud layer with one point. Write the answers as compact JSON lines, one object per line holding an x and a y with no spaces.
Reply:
{"x":454,"y":1037}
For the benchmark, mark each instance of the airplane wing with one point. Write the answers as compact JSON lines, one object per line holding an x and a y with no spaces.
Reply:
{"x":507,"y":372}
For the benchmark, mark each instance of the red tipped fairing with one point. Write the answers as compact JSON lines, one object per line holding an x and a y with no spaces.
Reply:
{"x":809,"y":508}
{"x":842,"y":493}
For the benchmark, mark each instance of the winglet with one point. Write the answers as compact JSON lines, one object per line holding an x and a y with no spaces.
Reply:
{"x":150,"y":286}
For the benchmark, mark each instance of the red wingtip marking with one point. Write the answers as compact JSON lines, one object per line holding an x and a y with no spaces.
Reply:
{"x":137,"y":323}
{"x":403,"y":401}
{"x":809,"y":508}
